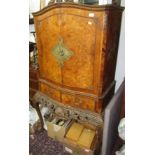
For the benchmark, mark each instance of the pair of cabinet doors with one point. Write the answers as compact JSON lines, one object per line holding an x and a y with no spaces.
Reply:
{"x":74,"y":54}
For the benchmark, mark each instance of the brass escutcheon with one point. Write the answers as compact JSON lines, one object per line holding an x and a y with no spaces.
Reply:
{"x":61,"y":52}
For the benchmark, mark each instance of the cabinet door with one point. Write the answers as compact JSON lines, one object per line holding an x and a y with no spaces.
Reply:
{"x":78,"y":33}
{"x":48,"y":30}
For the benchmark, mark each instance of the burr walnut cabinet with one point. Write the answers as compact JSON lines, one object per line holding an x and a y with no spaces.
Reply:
{"x":77,"y":51}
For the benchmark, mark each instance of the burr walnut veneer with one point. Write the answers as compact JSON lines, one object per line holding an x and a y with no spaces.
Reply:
{"x":77,"y":48}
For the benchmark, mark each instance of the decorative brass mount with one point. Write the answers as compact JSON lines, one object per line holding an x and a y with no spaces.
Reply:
{"x":68,"y":111}
{"x":61,"y":53}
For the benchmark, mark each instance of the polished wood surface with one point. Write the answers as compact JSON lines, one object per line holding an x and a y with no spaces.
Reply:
{"x":92,"y":34}
{"x":33,"y":81}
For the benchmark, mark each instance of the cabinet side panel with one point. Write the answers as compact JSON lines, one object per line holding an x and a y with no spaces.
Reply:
{"x":112,"y":46}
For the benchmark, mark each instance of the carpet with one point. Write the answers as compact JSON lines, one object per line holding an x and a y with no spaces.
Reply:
{"x":41,"y":144}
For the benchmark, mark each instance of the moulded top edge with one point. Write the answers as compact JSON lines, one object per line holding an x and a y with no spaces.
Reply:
{"x":78,"y":6}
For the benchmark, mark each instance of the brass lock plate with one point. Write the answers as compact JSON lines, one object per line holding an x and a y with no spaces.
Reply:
{"x":61,"y":53}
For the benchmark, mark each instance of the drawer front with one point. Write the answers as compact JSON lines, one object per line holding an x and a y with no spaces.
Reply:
{"x":67,"y":99}
{"x":49,"y":91}
{"x":78,"y":101}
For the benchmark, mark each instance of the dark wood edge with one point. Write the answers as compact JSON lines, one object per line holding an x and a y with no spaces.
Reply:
{"x":31,"y":69}
{"x":75,"y":92}
{"x":32,"y":89}
{"x":107,"y":90}
{"x":33,"y":80}
{"x":78,"y":6}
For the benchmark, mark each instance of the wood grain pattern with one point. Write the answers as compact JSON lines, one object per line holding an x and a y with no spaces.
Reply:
{"x":92,"y":33}
{"x":78,"y":70}
{"x":78,"y":101}
{"x":33,"y":82}
{"x":53,"y":93}
{"x":49,"y":67}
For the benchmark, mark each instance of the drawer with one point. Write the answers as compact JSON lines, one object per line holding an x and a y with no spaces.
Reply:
{"x":78,"y":101}
{"x":49,"y":91}
{"x":68,"y":99}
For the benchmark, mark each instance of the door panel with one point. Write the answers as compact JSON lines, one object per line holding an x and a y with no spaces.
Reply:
{"x":49,"y":31}
{"x":77,"y":32}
